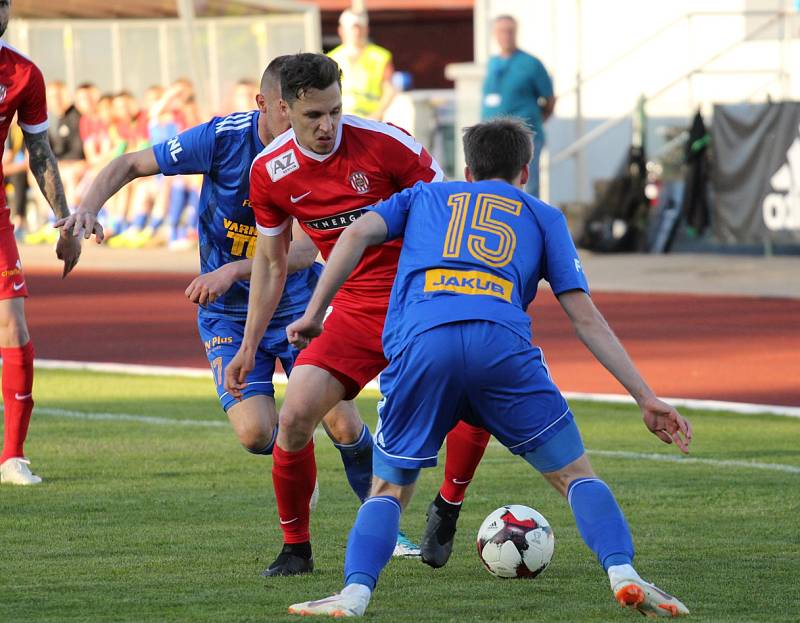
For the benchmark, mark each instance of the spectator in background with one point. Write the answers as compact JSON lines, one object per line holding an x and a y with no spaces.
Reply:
{"x":367,"y":69}
{"x":63,"y":133}
{"x":244,"y":96}
{"x":518,"y":84}
{"x":65,"y":137}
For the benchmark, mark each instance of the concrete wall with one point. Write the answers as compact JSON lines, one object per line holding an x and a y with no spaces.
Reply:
{"x":659,"y":44}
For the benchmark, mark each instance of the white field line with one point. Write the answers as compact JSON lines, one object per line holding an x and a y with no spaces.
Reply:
{"x":280,"y":379}
{"x":675,"y":458}
{"x":638,"y":456}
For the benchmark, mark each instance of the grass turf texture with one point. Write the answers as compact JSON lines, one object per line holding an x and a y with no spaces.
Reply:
{"x":143,"y":522}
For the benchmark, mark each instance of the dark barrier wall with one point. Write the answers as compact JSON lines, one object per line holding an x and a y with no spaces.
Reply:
{"x":756,"y":173}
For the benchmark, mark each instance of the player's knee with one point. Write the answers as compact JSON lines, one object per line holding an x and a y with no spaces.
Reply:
{"x":561,"y":479}
{"x":257,"y":441}
{"x":296,"y":429}
{"x":344,"y":425}
{"x":13,"y":328}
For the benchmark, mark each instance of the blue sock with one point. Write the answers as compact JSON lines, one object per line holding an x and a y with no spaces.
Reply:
{"x":600,"y":521}
{"x":157,"y":222}
{"x":177,"y":202}
{"x":371,"y":541}
{"x":357,"y":460}
{"x":140,"y":220}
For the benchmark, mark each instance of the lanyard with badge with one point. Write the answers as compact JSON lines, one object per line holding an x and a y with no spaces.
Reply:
{"x":493,"y":100}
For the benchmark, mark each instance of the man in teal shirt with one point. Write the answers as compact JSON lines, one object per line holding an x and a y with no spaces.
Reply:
{"x":518,"y":84}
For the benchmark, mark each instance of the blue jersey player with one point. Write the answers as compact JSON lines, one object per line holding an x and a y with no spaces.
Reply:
{"x":222,"y":150}
{"x":473,"y":254}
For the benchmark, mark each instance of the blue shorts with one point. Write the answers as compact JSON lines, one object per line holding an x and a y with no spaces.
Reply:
{"x":478,"y":371}
{"x":222,"y":337}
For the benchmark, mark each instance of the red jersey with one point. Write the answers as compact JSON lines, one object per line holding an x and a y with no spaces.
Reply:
{"x":21,"y":92}
{"x":370,"y":161}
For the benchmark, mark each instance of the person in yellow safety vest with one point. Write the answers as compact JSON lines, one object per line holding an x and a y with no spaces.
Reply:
{"x":367,"y":68}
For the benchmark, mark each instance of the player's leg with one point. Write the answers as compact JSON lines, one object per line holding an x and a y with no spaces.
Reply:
{"x":310,"y":394}
{"x":254,"y":418}
{"x":411,"y":430}
{"x":352,"y":438}
{"x":601,"y":523}
{"x":345,"y":428}
{"x":16,"y":350}
{"x":369,"y":549}
{"x":356,"y":452}
{"x":465,"y":447}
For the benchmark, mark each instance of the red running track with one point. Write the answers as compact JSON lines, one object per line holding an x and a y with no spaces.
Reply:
{"x":711,"y":347}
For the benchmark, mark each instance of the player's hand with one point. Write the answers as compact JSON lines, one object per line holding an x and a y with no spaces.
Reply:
{"x":81,"y":223}
{"x":666,"y":423}
{"x":209,"y":287}
{"x":236,"y":372}
{"x":68,"y":249}
{"x":302,"y":331}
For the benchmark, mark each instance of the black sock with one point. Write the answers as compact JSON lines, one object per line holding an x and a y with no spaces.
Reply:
{"x":297,"y":549}
{"x":445,"y":506}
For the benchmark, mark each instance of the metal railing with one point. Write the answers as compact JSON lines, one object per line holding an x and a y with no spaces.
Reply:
{"x":576,"y":149}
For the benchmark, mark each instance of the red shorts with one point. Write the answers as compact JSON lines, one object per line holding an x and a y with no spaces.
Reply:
{"x":350,"y":346}
{"x":12,"y":279}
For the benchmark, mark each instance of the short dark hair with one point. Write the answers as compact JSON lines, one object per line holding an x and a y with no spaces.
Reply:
{"x":305,"y":71}
{"x":273,"y":72}
{"x":498,"y":148}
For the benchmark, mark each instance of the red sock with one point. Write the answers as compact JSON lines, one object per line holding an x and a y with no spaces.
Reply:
{"x":465,"y":447}
{"x":294,"y":475}
{"x":17,"y":401}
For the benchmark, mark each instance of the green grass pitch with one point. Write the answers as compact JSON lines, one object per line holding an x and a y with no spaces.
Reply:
{"x":152,"y":521}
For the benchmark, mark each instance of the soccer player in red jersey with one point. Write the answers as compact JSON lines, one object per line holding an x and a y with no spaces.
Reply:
{"x":22,"y":92}
{"x":323,"y":172}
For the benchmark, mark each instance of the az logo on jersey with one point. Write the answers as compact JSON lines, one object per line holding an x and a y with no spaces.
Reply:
{"x":174,"y":148}
{"x":282,"y":165}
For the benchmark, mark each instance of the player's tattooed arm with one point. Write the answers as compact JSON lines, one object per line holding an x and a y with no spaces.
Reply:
{"x":44,"y":167}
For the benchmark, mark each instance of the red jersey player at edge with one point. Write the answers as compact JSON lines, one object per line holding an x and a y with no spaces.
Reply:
{"x":22,"y":92}
{"x":323,"y":172}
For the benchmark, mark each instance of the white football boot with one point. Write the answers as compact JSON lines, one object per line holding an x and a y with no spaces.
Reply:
{"x":646,"y":598}
{"x":351,"y":602}
{"x":16,"y":472}
{"x":405,"y":547}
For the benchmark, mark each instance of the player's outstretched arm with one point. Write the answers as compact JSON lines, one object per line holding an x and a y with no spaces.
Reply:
{"x":111,"y":178}
{"x":266,"y":287}
{"x":660,"y":418}
{"x":44,"y":167}
{"x":369,"y":230}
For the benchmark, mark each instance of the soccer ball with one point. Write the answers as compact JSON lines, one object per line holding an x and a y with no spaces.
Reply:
{"x":515,"y":542}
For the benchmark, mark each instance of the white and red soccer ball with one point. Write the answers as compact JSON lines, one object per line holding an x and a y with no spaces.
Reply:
{"x":515,"y":542}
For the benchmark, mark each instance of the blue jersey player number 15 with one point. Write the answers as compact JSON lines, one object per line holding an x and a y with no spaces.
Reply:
{"x":473,"y":254}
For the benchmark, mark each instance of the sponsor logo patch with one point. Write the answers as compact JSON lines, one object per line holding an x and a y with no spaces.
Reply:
{"x":467,"y":282}
{"x":280,"y":166}
{"x":217,"y":340}
{"x":781,"y":208}
{"x":174,"y":148}
{"x":337,"y":221}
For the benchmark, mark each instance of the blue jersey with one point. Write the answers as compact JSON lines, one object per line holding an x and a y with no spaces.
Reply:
{"x":222,"y":150}
{"x":473,"y":251}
